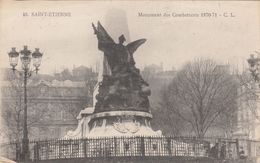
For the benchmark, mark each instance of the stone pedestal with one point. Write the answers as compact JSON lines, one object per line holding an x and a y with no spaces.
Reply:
{"x":110,"y":124}
{"x":121,"y":123}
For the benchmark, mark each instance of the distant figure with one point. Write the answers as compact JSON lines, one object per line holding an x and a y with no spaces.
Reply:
{"x":223,"y":151}
{"x":230,"y":151}
{"x":214,"y":151}
{"x":18,"y":152}
{"x":242,"y":154}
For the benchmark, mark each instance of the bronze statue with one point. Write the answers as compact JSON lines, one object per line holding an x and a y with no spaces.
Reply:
{"x":123,"y":88}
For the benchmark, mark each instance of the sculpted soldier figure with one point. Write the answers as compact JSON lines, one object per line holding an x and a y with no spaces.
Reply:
{"x":123,"y":88}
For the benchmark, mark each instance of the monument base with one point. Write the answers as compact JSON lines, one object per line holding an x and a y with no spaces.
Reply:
{"x":113,"y":123}
{"x":121,"y":123}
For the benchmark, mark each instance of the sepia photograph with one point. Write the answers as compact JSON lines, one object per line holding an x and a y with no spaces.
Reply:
{"x":130,"y":81}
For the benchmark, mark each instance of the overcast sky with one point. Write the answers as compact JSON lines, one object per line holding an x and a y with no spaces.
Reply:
{"x":68,"y":41}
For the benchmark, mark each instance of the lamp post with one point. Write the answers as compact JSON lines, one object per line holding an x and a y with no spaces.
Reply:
{"x":254,"y":66}
{"x":25,"y":56}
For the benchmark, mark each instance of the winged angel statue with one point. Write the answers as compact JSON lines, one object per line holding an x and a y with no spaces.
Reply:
{"x":122,"y":87}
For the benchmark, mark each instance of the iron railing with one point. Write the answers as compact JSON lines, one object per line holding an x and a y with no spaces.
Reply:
{"x":137,"y":146}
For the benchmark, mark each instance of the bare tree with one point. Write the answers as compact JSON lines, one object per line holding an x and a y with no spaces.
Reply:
{"x":13,"y":107}
{"x":164,"y":117}
{"x":200,"y":93}
{"x":11,"y":112}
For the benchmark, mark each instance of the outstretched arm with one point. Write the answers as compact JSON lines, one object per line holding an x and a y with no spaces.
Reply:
{"x":102,"y":34}
{"x":105,"y":42}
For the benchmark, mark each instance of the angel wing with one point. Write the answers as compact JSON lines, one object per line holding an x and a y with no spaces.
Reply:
{"x":102,"y":35}
{"x":133,"y":46}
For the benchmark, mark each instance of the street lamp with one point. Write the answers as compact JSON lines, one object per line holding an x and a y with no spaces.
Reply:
{"x":26,"y":72}
{"x":254,"y":66}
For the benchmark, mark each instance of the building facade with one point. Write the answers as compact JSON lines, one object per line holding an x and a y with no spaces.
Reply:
{"x":248,"y":113}
{"x":53,"y":106}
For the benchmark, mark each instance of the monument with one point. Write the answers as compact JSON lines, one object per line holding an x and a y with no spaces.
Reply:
{"x":120,"y":101}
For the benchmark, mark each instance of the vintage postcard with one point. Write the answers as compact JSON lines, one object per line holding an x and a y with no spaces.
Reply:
{"x":130,"y":81}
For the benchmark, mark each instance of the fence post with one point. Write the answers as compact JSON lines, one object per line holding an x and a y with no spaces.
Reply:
{"x":59,"y":147}
{"x":237,"y":146}
{"x":169,"y":145}
{"x":219,"y":147}
{"x":248,"y":148}
{"x":85,"y":147}
{"x":71,"y":147}
{"x":115,"y":146}
{"x":36,"y":151}
{"x":48,"y":149}
{"x":208,"y":148}
{"x":142,"y":146}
